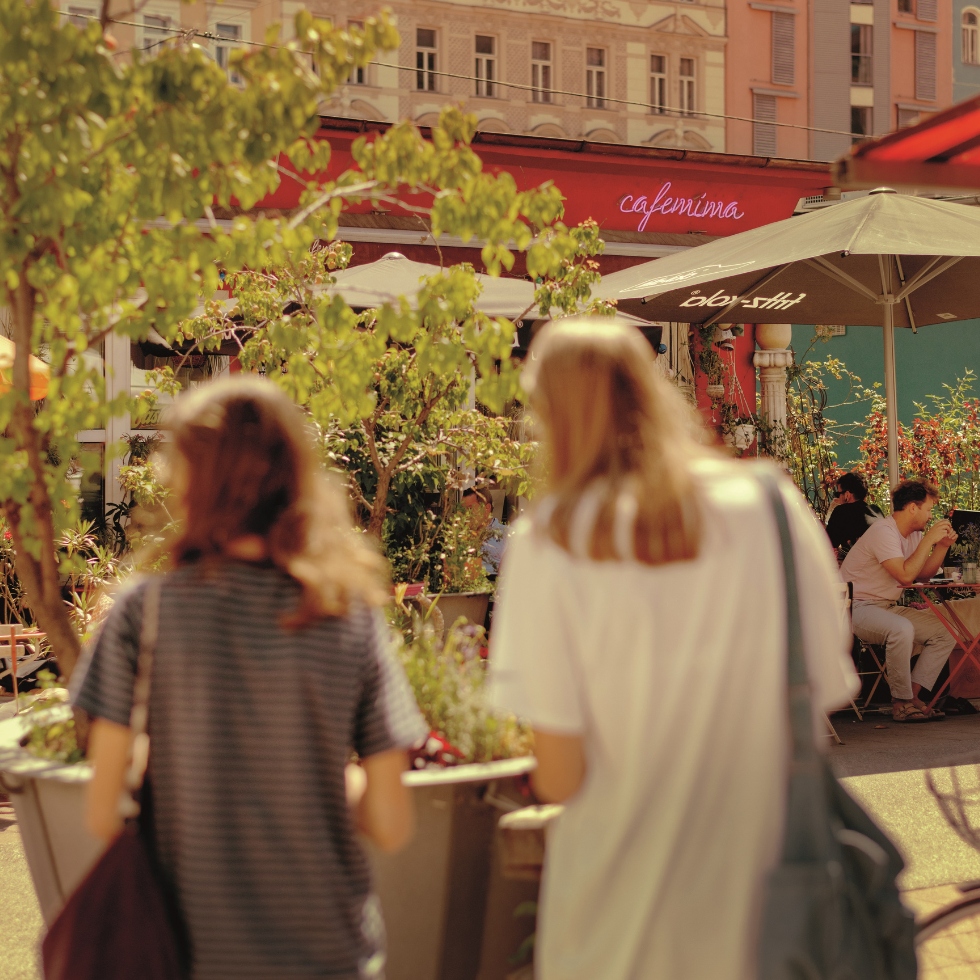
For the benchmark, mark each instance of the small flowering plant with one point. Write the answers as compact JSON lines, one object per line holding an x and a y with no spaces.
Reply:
{"x":942,"y":444}
{"x":463,"y":537}
{"x":449,"y":680}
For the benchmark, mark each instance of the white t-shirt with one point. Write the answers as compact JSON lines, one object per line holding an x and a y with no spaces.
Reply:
{"x":675,"y":678}
{"x":862,"y":566}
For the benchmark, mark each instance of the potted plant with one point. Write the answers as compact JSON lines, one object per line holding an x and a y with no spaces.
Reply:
{"x":738,"y":431}
{"x":464,"y":587}
{"x":967,"y":549}
{"x":41,"y":771}
{"x":448,"y":907}
{"x":708,"y":359}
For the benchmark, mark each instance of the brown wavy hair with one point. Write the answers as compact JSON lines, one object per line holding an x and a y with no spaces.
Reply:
{"x":613,"y":426}
{"x":242,"y":461}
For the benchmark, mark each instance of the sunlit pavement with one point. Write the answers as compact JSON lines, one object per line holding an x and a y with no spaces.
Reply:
{"x":20,"y":917}
{"x":883,"y":767}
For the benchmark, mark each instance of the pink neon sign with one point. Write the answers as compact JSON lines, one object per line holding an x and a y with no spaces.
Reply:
{"x":698,"y":206}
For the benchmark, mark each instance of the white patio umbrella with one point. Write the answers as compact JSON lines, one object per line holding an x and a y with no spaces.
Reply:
{"x":386,"y":279}
{"x":883,"y":260}
{"x":393,"y":275}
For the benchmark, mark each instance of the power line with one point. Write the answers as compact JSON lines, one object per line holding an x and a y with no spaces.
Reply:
{"x":582,"y":95}
{"x":685,"y":114}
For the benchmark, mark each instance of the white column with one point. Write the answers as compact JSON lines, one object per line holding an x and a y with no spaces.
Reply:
{"x":772,"y":362}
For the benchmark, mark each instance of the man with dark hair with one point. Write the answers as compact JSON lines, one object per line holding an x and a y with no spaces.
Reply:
{"x":851,"y":515}
{"x":891,"y":555}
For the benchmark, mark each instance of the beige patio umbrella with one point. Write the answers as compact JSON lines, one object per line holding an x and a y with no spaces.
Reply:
{"x":40,"y":373}
{"x":393,"y":275}
{"x":884,"y":260}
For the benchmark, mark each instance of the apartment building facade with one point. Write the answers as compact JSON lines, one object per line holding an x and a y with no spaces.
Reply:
{"x":966,"y":49}
{"x":839,"y":70}
{"x":647,"y":73}
{"x":767,"y":79}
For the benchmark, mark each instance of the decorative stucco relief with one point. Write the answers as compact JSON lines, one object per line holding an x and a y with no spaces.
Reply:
{"x":579,"y":8}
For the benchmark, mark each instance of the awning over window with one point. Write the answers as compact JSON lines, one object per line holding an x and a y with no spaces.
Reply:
{"x":941,"y":153}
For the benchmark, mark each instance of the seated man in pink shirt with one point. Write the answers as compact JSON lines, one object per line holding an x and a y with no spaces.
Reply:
{"x":890,"y":556}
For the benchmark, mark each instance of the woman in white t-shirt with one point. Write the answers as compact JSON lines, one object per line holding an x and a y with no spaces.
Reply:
{"x":640,"y":630}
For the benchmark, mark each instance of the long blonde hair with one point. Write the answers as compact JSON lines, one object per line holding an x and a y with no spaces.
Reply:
{"x":613,"y":428}
{"x":244,"y":463}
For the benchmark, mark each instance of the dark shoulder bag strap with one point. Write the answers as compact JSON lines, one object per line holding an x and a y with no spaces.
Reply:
{"x":807,"y":832}
{"x":800,"y":711}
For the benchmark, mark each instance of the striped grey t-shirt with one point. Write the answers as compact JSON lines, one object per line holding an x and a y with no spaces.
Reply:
{"x":251,"y":726}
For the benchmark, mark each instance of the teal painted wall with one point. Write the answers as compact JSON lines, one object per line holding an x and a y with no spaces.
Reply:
{"x":924,"y":361}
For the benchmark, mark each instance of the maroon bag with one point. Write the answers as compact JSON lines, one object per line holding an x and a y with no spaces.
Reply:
{"x":120,"y":922}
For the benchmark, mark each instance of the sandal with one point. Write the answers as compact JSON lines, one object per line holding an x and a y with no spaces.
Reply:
{"x":932,"y":714}
{"x":908,"y":711}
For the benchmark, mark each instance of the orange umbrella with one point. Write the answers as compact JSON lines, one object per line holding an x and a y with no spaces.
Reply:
{"x":39,"y":371}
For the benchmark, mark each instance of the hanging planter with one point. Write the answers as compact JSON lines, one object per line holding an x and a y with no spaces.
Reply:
{"x":740,"y":436}
{"x":715,"y":391}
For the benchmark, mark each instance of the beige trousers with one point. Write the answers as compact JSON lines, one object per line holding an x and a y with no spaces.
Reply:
{"x":900,"y":628}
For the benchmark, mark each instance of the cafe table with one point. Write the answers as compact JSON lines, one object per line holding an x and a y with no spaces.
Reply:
{"x":17,"y":636}
{"x":940,"y":598}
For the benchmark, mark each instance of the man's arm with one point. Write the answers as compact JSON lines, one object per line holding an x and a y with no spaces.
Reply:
{"x":936,"y":559}
{"x":927,"y":558}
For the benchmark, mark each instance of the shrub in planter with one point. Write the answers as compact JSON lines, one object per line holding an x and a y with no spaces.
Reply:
{"x":449,"y":680}
{"x":51,"y":734}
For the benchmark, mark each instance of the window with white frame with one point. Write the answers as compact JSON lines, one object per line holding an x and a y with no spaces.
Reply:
{"x":81,"y":17}
{"x":658,"y":84}
{"x":425,"y":59}
{"x":687,"y":91}
{"x":595,"y":78}
{"x":907,"y":117}
{"x":971,"y":37}
{"x":486,"y":65}
{"x":358,"y":76}
{"x":155,"y":30}
{"x":861,"y":48}
{"x":860,"y":123}
{"x":228,"y":38}
{"x":541,"y":89}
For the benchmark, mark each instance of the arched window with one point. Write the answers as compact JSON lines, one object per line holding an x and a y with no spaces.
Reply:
{"x":971,"y":37}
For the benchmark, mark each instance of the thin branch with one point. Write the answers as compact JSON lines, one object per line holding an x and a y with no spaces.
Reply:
{"x":326,"y":198}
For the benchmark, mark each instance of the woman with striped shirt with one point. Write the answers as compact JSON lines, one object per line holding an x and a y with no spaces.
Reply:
{"x":271,"y":669}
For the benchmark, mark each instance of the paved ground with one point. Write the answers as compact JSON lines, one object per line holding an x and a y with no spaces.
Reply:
{"x":20,"y":917}
{"x":882,"y":764}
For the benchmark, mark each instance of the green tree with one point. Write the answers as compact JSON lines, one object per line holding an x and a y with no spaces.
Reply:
{"x":422,"y":357}
{"x":942,"y":444}
{"x":110,"y":175}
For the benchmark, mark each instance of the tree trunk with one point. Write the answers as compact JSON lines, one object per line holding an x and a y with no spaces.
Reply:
{"x":379,"y":506}
{"x":36,"y":549}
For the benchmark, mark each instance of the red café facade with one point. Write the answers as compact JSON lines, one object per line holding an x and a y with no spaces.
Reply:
{"x":648,"y":202}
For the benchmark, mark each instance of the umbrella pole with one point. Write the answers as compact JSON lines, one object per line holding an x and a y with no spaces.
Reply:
{"x":891,"y":393}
